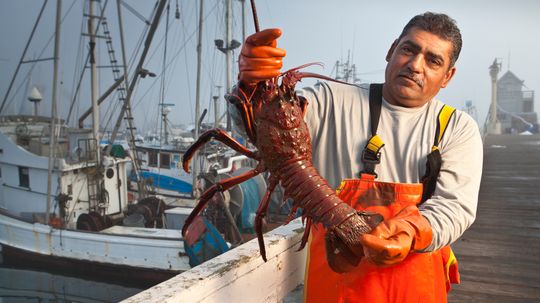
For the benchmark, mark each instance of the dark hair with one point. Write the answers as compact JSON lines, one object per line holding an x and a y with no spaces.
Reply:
{"x":440,"y":25}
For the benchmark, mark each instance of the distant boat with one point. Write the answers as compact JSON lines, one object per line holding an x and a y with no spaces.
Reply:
{"x":161,"y":168}
{"x":161,"y":162}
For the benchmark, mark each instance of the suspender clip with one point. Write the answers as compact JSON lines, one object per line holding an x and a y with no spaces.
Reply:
{"x":370,"y":159}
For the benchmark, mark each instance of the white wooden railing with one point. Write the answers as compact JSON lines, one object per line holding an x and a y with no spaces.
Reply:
{"x":239,"y":275}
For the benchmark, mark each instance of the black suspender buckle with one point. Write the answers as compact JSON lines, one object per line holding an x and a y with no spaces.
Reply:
{"x":370,"y":159}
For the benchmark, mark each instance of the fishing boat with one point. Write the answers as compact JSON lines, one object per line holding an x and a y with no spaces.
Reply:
{"x":65,"y":196}
{"x":64,"y":199}
{"x":89,"y":218}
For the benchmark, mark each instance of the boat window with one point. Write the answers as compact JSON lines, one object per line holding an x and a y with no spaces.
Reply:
{"x":24,"y":177}
{"x":152,"y":159}
{"x":165,"y":160}
{"x":109,"y":173}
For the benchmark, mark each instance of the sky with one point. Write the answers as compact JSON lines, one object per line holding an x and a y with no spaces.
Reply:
{"x":313,"y":31}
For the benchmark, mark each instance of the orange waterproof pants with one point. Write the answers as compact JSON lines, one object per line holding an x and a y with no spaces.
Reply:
{"x":421,"y":277}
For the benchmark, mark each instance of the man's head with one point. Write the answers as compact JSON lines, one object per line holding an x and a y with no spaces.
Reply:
{"x":421,"y":61}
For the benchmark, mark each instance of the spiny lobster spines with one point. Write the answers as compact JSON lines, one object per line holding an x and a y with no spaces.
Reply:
{"x":311,"y":192}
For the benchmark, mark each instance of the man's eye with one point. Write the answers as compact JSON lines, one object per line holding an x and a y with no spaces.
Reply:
{"x":435,"y":62}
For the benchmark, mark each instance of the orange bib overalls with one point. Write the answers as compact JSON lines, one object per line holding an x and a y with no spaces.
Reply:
{"x":421,"y":277}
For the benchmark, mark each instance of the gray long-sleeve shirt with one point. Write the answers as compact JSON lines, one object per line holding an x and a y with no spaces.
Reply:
{"x":339,"y":122}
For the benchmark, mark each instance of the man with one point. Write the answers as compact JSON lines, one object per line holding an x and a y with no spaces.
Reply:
{"x":424,"y":181}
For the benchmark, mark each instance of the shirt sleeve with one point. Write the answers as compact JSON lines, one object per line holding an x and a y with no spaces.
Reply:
{"x":317,"y":107}
{"x":452,"y":208}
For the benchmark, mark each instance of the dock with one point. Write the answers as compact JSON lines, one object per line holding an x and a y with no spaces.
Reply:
{"x":499,"y":256}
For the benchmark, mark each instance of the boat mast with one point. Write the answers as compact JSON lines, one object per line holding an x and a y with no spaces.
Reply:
{"x":131,"y":142}
{"x":138,"y":70}
{"x":52,"y":136}
{"x":195,"y":171}
{"x":228,"y":57}
{"x":243,"y":20}
{"x":93,"y":78}
{"x":227,"y":48}
{"x":127,"y":101}
{"x":165,"y":107}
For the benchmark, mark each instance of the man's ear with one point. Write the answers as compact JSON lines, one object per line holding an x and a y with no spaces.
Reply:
{"x":449,"y":74}
{"x":391,"y":50}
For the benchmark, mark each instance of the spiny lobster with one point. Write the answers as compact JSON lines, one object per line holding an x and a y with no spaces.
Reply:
{"x":272,"y":117}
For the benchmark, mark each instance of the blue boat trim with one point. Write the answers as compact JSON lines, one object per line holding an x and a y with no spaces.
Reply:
{"x":165,"y":182}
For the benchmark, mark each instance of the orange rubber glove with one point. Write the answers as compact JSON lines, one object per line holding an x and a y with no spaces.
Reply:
{"x":392,"y":240}
{"x":260,"y":59}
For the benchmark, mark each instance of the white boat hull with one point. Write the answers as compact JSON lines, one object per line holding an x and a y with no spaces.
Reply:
{"x":141,"y":249}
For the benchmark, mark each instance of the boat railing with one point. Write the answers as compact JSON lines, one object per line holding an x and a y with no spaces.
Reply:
{"x":240,"y":275}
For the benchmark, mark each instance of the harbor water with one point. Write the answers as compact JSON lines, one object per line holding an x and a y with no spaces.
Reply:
{"x":20,"y":284}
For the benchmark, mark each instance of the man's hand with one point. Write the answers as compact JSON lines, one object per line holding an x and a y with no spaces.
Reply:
{"x":260,"y":59}
{"x":392,"y":240}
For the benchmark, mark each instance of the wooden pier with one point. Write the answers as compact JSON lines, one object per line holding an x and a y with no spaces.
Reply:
{"x":499,"y":256}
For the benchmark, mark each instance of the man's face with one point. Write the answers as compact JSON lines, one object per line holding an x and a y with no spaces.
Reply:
{"x":418,"y":67}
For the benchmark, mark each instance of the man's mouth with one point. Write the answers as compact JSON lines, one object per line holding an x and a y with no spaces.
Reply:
{"x":413,"y":78}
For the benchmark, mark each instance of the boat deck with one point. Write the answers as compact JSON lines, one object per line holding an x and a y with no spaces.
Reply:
{"x":499,"y":256}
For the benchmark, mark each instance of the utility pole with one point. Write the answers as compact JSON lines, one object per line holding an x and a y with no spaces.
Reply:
{"x":494,"y":127}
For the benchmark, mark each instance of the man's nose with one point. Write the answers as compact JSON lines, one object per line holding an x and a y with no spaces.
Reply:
{"x":416,"y":63}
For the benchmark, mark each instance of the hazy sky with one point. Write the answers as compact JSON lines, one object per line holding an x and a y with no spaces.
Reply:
{"x":313,"y":31}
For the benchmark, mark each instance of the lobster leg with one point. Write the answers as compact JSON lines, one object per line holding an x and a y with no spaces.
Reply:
{"x":305,"y":236}
{"x":261,"y":213}
{"x":219,"y":135}
{"x":220,"y":186}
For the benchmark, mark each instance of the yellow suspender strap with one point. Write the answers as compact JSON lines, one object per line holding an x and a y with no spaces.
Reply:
{"x":371,"y":155}
{"x":375,"y":144}
{"x":445,"y":114}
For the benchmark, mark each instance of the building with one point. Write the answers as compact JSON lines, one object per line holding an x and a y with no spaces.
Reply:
{"x":515,"y":105}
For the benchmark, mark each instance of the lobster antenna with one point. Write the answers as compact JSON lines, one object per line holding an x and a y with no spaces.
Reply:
{"x":255,"y":19}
